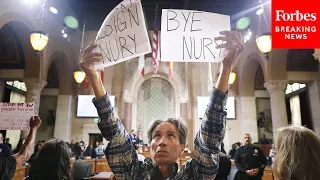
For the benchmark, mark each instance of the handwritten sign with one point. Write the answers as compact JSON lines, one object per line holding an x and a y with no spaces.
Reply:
{"x":123,"y":34}
{"x":188,"y":36}
{"x":15,"y":116}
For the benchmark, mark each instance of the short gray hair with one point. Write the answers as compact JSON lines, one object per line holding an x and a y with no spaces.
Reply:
{"x":180,"y":125}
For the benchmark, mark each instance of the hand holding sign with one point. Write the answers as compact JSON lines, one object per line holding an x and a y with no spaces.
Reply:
{"x":123,"y":34}
{"x":88,"y":59}
{"x":35,"y":122}
{"x":187,"y":35}
{"x":15,"y":116}
{"x":233,"y":43}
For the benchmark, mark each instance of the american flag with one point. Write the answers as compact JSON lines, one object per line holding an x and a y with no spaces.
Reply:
{"x":141,"y":65}
{"x":155,"y":43}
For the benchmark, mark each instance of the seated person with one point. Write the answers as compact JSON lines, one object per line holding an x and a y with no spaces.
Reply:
{"x":7,"y":142}
{"x":52,"y":162}
{"x":297,"y":154}
{"x":36,"y":149}
{"x":5,"y":149}
{"x":224,"y":167}
{"x":167,"y":137}
{"x":8,"y":164}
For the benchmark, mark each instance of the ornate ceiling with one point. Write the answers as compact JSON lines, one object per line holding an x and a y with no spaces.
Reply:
{"x":98,"y":9}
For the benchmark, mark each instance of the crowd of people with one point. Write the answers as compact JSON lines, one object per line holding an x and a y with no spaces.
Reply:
{"x":296,"y":157}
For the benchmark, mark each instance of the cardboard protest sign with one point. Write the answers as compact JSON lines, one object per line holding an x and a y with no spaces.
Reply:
{"x":123,"y":34}
{"x":15,"y":116}
{"x":188,"y":36}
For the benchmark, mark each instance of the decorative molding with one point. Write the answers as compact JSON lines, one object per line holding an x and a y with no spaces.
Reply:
{"x":316,"y":54}
{"x":11,"y":51}
{"x":35,"y":84}
{"x":34,"y":88}
{"x":276,"y":85}
{"x":301,"y":60}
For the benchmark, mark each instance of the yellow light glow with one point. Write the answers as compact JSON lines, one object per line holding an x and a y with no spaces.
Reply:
{"x":79,"y":76}
{"x":39,"y":40}
{"x":264,"y":43}
{"x":232,"y":77}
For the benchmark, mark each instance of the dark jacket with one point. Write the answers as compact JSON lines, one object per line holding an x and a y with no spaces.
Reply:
{"x":249,"y":157}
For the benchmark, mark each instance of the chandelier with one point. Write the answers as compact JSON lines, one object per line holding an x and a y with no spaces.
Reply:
{"x":263,"y":40}
{"x":78,"y":74}
{"x":39,"y":39}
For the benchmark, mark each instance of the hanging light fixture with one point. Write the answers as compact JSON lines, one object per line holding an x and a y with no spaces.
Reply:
{"x":232,"y":77}
{"x":264,"y":43}
{"x":39,"y":39}
{"x":78,"y":74}
{"x":263,"y":40}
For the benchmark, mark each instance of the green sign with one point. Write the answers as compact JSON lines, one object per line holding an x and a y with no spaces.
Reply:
{"x":95,"y":120}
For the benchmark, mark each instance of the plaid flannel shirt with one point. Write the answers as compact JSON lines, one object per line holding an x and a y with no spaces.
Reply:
{"x":127,"y":164}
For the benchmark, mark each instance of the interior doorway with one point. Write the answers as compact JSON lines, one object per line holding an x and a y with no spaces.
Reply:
{"x":93,"y":138}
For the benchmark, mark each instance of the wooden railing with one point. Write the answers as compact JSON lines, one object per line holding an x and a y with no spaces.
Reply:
{"x":101,"y":165}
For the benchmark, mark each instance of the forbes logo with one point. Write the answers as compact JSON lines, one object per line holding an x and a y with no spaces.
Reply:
{"x":296,"y":16}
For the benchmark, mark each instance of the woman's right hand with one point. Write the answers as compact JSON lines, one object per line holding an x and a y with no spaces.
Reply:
{"x":87,"y":62}
{"x":88,"y":59}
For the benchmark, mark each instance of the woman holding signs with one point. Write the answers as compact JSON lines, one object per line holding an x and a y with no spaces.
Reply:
{"x":167,"y":137}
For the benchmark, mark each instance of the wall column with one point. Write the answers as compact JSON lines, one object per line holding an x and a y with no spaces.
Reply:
{"x":184,"y":111}
{"x":248,"y":116}
{"x":62,"y":128}
{"x":276,"y":90}
{"x":34,"y":88}
{"x":314,"y":99}
{"x":128,"y":117}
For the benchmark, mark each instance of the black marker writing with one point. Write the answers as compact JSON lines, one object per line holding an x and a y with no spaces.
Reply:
{"x":172,"y":19}
{"x":186,"y":20}
{"x":195,"y":20}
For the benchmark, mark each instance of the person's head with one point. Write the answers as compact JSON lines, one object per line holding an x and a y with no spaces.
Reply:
{"x":39,"y":145}
{"x":238,"y":144}
{"x":52,"y":162}
{"x":263,"y":136}
{"x":234,"y":146}
{"x":81,"y":143}
{"x":133,"y":132}
{"x":7,"y":140}
{"x":297,"y":154}
{"x":97,"y":143}
{"x":247,"y":139}
{"x":20,"y":144}
{"x":167,"y":139}
{"x":224,"y":167}
{"x":72,"y":141}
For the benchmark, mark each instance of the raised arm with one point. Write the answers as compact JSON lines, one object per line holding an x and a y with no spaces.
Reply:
{"x":22,"y":156}
{"x":211,"y":133}
{"x":120,"y":153}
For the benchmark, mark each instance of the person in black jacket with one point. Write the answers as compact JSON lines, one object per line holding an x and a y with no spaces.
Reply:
{"x":224,"y":167}
{"x":8,"y":164}
{"x":249,"y":160}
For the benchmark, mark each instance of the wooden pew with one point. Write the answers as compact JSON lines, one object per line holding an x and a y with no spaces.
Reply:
{"x":102,"y":165}
{"x":265,"y":148}
{"x":20,"y":173}
{"x":93,"y":162}
{"x":267,"y":174}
